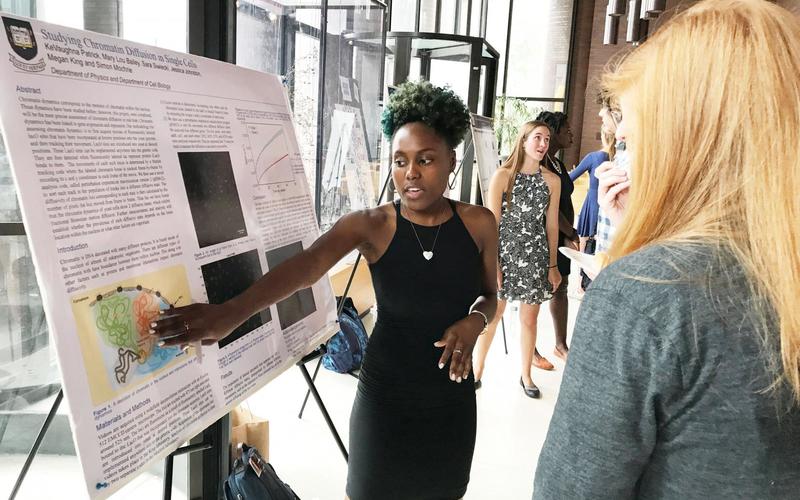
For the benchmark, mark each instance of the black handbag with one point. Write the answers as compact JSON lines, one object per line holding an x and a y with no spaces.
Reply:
{"x":591,"y":245}
{"x":254,"y":479}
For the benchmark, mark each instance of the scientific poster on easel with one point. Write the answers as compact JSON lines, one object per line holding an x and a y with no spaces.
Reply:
{"x":347,"y":173}
{"x":149,"y":179}
{"x":486,"y":153}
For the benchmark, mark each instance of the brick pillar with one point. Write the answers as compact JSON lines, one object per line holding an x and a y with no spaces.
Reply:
{"x":599,"y":57}
{"x":579,"y":59}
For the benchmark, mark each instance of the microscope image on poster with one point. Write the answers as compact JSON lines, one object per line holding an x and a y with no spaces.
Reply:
{"x":227,"y":278}
{"x":213,"y":196}
{"x":299,"y":305}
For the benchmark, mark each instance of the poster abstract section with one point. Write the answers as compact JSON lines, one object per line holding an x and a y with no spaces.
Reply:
{"x":150,"y":179}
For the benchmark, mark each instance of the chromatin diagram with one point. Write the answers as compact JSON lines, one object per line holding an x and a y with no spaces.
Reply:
{"x":113,"y":327}
{"x":122,"y":319}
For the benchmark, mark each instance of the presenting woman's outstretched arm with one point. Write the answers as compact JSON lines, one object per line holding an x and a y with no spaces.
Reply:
{"x":210,"y":323}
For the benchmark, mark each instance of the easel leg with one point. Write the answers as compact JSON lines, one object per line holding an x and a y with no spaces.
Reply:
{"x":310,"y":380}
{"x":324,"y":411}
{"x":7,"y":417}
{"x":36,"y":444}
{"x":168,"y":463}
{"x":503,"y":325}
{"x":308,"y":391}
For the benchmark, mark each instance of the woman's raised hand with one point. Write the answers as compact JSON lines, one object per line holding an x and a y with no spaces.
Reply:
{"x":458,"y":342}
{"x":613,"y":189}
{"x":204,"y":322}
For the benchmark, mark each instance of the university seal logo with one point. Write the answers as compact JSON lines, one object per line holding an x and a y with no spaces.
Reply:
{"x":23,"y":43}
{"x":20,"y":36}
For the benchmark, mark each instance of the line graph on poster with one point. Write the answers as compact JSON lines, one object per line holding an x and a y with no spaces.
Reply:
{"x":268,"y":154}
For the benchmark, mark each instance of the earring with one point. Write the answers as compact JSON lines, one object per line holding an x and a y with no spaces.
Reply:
{"x":451,"y":181}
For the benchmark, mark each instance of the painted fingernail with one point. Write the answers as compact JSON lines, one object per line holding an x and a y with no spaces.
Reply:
{"x":153,"y":324}
{"x":441,"y":365}
{"x":161,"y":343}
{"x":452,"y":377}
{"x":186,"y":348}
{"x":152,"y":332}
{"x":458,"y":380}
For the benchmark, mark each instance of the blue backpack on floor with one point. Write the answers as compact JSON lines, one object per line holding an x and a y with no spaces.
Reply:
{"x":345,"y":350}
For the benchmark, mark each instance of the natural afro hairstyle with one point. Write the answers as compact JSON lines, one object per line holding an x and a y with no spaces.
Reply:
{"x":437,"y":107}
{"x":554,"y":120}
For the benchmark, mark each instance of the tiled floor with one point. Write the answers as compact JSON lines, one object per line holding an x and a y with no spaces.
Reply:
{"x":511,"y":430}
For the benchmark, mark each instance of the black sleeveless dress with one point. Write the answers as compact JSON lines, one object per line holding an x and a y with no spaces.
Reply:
{"x":564,"y":207}
{"x":412,"y":430}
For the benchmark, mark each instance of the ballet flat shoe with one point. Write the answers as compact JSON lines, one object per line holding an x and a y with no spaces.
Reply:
{"x":531,"y":392}
{"x":542,"y":363}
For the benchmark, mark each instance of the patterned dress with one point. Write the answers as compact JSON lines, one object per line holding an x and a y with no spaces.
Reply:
{"x":524,"y":253}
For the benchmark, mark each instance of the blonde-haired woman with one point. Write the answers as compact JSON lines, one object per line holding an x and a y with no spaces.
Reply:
{"x":521,"y":193}
{"x":684,"y":376}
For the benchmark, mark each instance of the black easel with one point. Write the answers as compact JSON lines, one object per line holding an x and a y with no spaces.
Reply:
{"x":313,"y":390}
{"x":36,"y":443}
{"x":319,"y":351}
{"x":452,"y":185}
{"x":168,"y":463}
{"x":503,"y":325}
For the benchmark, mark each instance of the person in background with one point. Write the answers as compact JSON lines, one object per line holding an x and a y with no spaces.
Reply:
{"x":567,"y":235}
{"x":607,"y":222}
{"x":611,"y":116}
{"x":684,"y":374}
{"x":521,"y":192}
{"x":587,"y":219}
{"x":434,"y":269}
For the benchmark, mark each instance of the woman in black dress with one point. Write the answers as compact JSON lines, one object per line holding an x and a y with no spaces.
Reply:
{"x":567,"y":235}
{"x":434,"y":265}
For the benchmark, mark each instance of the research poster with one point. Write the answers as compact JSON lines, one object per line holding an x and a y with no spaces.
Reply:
{"x":151,"y":179}
{"x":347,"y":173}
{"x":486,"y":153}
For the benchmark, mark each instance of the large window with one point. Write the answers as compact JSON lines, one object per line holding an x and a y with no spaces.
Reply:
{"x":155,"y":22}
{"x":279,"y":38}
{"x":537,"y":54}
{"x":438,"y":16}
{"x":351,"y":130}
{"x":404,"y":15}
{"x":63,"y":12}
{"x":539,"y":50}
{"x":29,"y":377}
{"x":338,"y":129}
{"x":532,"y":39}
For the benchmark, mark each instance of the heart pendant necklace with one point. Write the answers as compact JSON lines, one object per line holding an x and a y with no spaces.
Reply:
{"x":427,"y":254}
